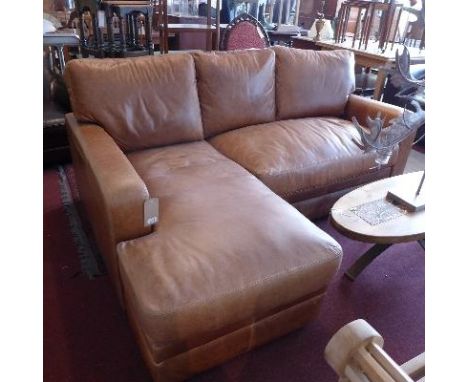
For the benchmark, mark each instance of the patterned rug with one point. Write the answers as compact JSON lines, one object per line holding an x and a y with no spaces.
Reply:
{"x":90,"y":260}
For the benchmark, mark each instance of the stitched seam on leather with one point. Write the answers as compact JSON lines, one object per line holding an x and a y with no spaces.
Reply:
{"x":305,"y":189}
{"x":168,"y":315}
{"x":316,"y":164}
{"x":254,"y":323}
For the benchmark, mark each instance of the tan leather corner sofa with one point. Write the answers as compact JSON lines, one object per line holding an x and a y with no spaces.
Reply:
{"x":238,"y":147}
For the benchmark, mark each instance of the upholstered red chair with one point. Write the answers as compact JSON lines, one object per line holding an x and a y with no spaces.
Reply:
{"x":244,"y":32}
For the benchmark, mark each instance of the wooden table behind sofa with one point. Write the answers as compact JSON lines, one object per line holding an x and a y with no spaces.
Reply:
{"x":370,"y":58}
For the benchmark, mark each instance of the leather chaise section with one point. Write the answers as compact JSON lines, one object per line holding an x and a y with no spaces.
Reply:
{"x":217,"y":351}
{"x":301,"y":158}
{"x":182,"y":168}
{"x":221,"y":256}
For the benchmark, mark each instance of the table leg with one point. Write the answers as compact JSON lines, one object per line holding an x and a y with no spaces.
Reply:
{"x":361,"y":263}
{"x":422,"y":243}
{"x":380,"y":83}
{"x":61,"y":56}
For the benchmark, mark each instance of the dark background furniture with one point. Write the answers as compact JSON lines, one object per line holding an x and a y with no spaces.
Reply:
{"x":209,"y":31}
{"x":189,"y":32}
{"x":115,"y":28}
{"x":59,"y":47}
{"x":285,"y":37}
{"x":55,"y":105}
{"x":400,"y":94}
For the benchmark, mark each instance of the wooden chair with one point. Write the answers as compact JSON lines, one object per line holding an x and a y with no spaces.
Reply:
{"x":115,"y":28}
{"x":244,"y":32}
{"x":355,"y":353}
{"x":415,"y":31}
{"x":134,"y":27}
{"x":367,"y":22}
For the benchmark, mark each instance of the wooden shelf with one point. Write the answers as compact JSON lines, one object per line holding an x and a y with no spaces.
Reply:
{"x":189,"y":27}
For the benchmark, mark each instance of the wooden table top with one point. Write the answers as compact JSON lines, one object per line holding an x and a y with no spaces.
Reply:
{"x":192,"y":27}
{"x":290,"y":33}
{"x":364,"y":214}
{"x":61,"y":37}
{"x":372,"y":52}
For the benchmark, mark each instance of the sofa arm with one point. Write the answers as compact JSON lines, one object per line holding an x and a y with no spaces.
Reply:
{"x":110,"y":189}
{"x":361,"y":108}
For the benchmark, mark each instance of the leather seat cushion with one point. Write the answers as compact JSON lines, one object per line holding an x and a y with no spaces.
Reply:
{"x":226,"y":252}
{"x":312,"y":83}
{"x":138,"y":101}
{"x":300,"y":158}
{"x":235,"y":88}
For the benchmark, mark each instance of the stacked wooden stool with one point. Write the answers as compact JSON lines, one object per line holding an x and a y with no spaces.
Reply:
{"x":355,"y":353}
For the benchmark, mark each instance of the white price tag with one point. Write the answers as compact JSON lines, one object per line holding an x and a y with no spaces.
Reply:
{"x":151,"y":212}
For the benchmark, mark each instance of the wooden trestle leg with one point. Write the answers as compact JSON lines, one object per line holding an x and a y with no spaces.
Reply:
{"x":360,"y":264}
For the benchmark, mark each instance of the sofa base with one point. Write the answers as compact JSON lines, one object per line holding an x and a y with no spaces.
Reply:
{"x":319,"y":206}
{"x":214,"y":353}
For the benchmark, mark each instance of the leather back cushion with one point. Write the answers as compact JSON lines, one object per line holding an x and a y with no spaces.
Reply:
{"x":141,"y":102}
{"x":236,"y":89}
{"x":312,"y":83}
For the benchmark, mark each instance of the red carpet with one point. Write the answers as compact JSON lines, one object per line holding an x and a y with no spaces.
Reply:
{"x":87,"y":338}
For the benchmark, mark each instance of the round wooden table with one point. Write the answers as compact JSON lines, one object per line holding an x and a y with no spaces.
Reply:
{"x":364,"y":214}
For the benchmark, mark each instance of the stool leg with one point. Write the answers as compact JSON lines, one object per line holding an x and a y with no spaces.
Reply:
{"x":110,"y":35}
{"x":123,"y":41}
{"x":148,"y":32}
{"x":61,"y":58}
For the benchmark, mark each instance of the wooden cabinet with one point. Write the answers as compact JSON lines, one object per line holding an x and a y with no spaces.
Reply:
{"x":189,"y":39}
{"x":308,"y":11}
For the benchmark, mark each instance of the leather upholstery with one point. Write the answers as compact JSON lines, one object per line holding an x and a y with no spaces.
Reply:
{"x":320,"y":205}
{"x":213,"y":353}
{"x":230,"y":264}
{"x":312,"y":83}
{"x":361,"y":107}
{"x":138,"y":101}
{"x":299,"y":159}
{"x":236,"y":89}
{"x":110,"y":189}
{"x":194,"y":279}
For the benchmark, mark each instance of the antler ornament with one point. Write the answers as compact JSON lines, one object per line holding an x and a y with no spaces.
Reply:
{"x":381,"y":140}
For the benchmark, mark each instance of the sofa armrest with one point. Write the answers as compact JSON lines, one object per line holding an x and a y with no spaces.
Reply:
{"x":361,"y":107}
{"x":111,"y":191}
